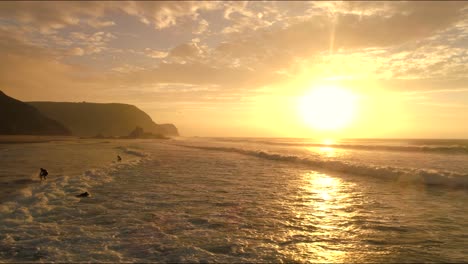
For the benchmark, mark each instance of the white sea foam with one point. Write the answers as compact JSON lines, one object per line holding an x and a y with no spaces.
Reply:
{"x":56,"y":194}
{"x":214,"y":205}
{"x":134,"y":152}
{"x":444,"y":148}
{"x":410,"y":175}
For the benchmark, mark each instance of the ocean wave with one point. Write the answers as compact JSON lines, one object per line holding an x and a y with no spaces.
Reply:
{"x":133,"y":152}
{"x":58,"y":192}
{"x":409,"y":175}
{"x":40,"y":212}
{"x":449,"y":149}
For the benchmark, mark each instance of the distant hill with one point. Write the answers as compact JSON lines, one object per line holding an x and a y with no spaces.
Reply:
{"x":91,"y":119}
{"x":18,"y":118}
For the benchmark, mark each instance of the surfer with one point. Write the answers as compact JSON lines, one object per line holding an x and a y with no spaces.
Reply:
{"x":119,"y":159}
{"x":43,"y":174}
{"x":85,"y":194}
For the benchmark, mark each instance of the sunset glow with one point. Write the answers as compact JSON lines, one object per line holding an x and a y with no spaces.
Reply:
{"x":274,"y":68}
{"x":233,"y":131}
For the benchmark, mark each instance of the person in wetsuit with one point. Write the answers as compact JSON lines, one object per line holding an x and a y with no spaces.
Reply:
{"x":43,"y":174}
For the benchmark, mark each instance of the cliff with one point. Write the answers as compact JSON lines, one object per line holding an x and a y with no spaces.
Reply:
{"x":18,"y":118}
{"x":91,"y":119}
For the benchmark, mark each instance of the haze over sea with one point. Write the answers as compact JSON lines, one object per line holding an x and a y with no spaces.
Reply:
{"x":235,"y":200}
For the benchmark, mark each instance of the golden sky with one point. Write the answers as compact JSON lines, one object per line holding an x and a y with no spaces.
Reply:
{"x":241,"y":68}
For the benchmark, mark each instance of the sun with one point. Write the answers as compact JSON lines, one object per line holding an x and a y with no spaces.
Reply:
{"x":328,"y":108}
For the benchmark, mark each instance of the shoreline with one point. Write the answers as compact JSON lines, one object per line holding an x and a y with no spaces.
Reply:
{"x":22,"y":139}
{"x":25,"y":139}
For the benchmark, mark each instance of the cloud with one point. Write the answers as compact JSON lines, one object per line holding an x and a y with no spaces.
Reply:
{"x":413,"y":21}
{"x":155,"y":54}
{"x":196,"y":74}
{"x":187,"y":50}
{"x":165,"y":14}
{"x":247,"y":17}
{"x":274,"y":53}
{"x":100,"y":24}
{"x":385,"y":24}
{"x":92,"y":43}
{"x":201,"y":28}
{"x":31,"y":72}
{"x":17,"y":43}
{"x":50,"y":17}
{"x":77,"y":52}
{"x":447,"y":90}
{"x":353,"y":32}
{"x":126,"y":68}
{"x":237,"y":7}
{"x":406,"y":22}
{"x":261,"y":43}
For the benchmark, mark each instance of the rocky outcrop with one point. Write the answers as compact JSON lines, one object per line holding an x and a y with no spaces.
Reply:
{"x":18,"y":118}
{"x":138,"y":132}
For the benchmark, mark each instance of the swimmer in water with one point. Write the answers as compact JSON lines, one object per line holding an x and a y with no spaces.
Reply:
{"x":85,"y":194}
{"x":43,"y":174}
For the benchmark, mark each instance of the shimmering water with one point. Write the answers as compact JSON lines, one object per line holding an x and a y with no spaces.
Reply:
{"x":235,"y":200}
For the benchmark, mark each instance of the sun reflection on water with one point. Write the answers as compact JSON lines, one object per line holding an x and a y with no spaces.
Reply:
{"x":328,"y":150}
{"x":324,"y":186}
{"x":326,"y":210}
{"x":325,"y":148}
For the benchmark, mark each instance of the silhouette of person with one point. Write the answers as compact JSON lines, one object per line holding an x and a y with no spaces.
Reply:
{"x":85,"y":194}
{"x":43,"y":174}
{"x":119,"y":159}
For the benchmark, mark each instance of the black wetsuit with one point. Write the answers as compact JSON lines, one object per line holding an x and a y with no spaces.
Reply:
{"x":43,"y":174}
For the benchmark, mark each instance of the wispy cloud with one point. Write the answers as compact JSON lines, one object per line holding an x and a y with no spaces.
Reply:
{"x":164,"y":14}
{"x":448,"y":90}
{"x":156,"y":54}
{"x":444,"y":105}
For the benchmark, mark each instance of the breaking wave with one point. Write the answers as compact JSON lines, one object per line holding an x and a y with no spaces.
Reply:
{"x":449,"y":149}
{"x":410,"y":175}
{"x":43,"y":217}
{"x":133,"y":152}
{"x":59,"y":192}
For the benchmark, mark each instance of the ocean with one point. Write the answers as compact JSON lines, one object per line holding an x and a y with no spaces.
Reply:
{"x":235,"y":200}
